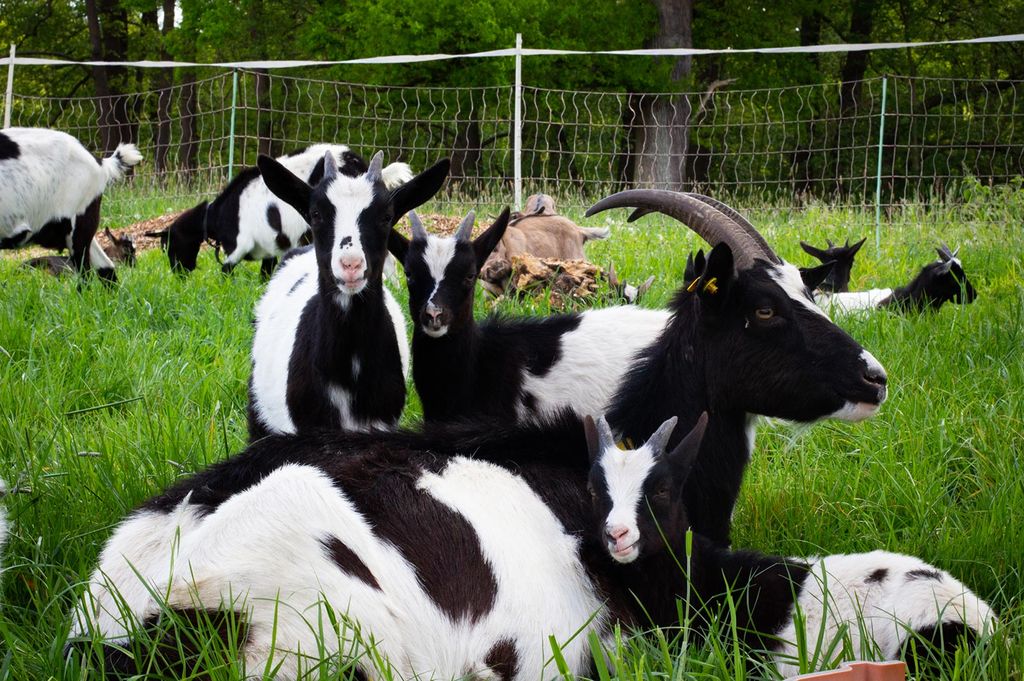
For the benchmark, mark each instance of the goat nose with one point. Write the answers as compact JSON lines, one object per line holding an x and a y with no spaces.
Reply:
{"x":616,"y":532}
{"x":351,"y":262}
{"x":876,"y":375}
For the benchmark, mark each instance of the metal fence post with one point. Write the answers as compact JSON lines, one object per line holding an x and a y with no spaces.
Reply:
{"x":231,"y":130}
{"x":9,"y":96}
{"x":517,"y":134}
{"x":878,"y":174}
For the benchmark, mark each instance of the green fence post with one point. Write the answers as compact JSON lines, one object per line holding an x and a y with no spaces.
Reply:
{"x":878,"y":175}
{"x":231,"y":131}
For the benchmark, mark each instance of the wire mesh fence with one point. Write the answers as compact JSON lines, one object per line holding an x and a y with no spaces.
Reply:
{"x":778,"y":147}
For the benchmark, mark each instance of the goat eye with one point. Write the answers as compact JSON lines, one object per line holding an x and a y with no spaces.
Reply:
{"x":764,"y":313}
{"x":314,"y":215}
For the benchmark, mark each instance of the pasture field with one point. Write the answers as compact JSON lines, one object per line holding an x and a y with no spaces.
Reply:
{"x":108,"y":395}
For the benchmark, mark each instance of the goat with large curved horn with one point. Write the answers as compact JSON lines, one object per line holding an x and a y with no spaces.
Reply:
{"x":707,"y":220}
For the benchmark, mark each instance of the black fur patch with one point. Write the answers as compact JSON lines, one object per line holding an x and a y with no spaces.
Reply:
{"x":9,"y":149}
{"x":877,"y":576}
{"x":348,"y":561}
{"x":925,"y":659}
{"x":297,"y":283}
{"x":503,"y":659}
{"x":530,"y":402}
{"x":274,"y":220}
{"x":922,"y":573}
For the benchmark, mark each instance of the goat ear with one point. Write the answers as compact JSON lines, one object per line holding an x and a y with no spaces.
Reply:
{"x":685,"y":453}
{"x":486,"y":242}
{"x":812,"y":251}
{"x":813,"y":276}
{"x":421,"y":188}
{"x":398,"y":245}
{"x":645,"y":287}
{"x":856,"y":247}
{"x":285,"y":185}
{"x":713,"y":284}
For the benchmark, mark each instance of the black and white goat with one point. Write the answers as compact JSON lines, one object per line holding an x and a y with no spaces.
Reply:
{"x":841,"y":257}
{"x":458,"y":552}
{"x":249,"y":222}
{"x":51,"y":188}
{"x":330,"y":347}
{"x":937,"y":283}
{"x":742,"y":338}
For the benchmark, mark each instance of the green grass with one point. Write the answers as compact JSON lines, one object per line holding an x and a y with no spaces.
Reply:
{"x":108,"y":395}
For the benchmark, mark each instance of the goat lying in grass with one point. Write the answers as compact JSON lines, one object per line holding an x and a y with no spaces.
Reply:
{"x":538,"y":232}
{"x":742,"y":338}
{"x":119,"y":250}
{"x":937,"y":283}
{"x":50,"y":192}
{"x":458,"y":552}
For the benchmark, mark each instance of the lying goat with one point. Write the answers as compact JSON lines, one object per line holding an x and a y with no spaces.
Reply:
{"x":120,"y":250}
{"x":51,"y":188}
{"x":742,"y":338}
{"x":937,"y":283}
{"x":249,"y":222}
{"x":460,"y":553}
{"x":842,"y":257}
{"x":538,"y":232}
{"x":330,"y":348}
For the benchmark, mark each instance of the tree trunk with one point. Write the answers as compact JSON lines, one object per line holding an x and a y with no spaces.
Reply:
{"x":660,"y":125}
{"x":108,"y":37}
{"x":856,"y":63}
{"x":810,"y":34}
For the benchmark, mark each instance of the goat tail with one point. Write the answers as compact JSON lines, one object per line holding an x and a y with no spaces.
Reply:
{"x":118,"y":163}
{"x":594,"y":233}
{"x":396,"y":174}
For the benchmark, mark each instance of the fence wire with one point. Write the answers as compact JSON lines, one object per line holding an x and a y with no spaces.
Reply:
{"x":777,"y":147}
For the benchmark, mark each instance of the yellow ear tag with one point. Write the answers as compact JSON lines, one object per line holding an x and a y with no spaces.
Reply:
{"x":625,"y":445}
{"x":711,"y":286}
{"x":693,"y":285}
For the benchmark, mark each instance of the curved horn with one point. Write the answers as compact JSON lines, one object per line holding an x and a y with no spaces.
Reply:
{"x":330,"y":166}
{"x":419,"y":232}
{"x":659,"y":441}
{"x":744,"y":224}
{"x":702,"y":217}
{"x":465,"y":230}
{"x":605,"y":439}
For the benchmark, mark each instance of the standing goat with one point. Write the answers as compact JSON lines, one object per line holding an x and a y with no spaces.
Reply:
{"x":249,"y":222}
{"x":330,"y":347}
{"x":937,"y":283}
{"x":742,"y":338}
{"x":842,"y":259}
{"x":51,"y":188}
{"x":457,"y":553}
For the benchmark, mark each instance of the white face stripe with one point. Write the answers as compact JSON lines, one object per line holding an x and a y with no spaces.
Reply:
{"x":624,"y":476}
{"x":788,"y":277}
{"x":350,"y":196}
{"x":438,"y":253}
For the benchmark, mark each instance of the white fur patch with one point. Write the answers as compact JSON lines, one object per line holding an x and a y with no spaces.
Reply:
{"x":625,"y":473}
{"x":788,"y":277}
{"x":3,"y":525}
{"x":845,"y":591}
{"x":350,"y":197}
{"x":853,"y":301}
{"x":278,"y":314}
{"x":594,"y":358}
{"x":438,"y":253}
{"x":396,"y":312}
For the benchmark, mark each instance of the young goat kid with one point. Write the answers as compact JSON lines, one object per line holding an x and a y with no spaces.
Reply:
{"x":51,"y":188}
{"x":740,"y":339}
{"x":330,"y":348}
{"x":841,"y":258}
{"x":456,"y":553}
{"x":937,"y":283}
{"x":250,"y":223}
{"x":120,"y":250}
